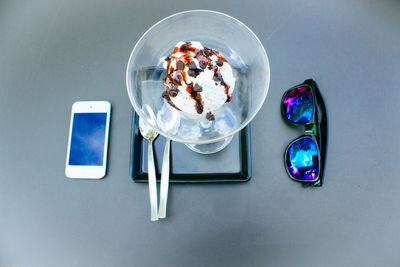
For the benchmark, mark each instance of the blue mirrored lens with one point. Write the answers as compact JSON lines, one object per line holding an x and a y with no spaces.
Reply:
{"x":302,"y":159}
{"x":298,"y":104}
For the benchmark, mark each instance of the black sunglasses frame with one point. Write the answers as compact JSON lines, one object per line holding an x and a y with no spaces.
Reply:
{"x":316,"y":129}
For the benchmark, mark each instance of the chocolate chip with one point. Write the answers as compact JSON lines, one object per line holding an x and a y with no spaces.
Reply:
{"x":173,"y":92}
{"x":191,"y":65}
{"x":210,"y":116}
{"x":168,"y":59}
{"x":184,"y":47}
{"x":165,"y":94}
{"x":180,"y":65}
{"x":207,"y":52}
{"x":202,"y":64}
{"x":192,"y":73}
{"x":220,"y":62}
{"x":197,"y":88}
{"x":199,"y":108}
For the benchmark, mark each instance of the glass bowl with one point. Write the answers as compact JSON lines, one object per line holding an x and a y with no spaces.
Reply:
{"x":235,"y":41}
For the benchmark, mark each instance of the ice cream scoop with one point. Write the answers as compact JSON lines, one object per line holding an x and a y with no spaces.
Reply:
{"x":199,"y":80}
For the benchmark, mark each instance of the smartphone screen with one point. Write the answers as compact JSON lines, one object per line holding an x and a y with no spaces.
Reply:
{"x":88,"y":139}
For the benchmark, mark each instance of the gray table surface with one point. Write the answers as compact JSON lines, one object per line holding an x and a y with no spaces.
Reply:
{"x":53,"y":53}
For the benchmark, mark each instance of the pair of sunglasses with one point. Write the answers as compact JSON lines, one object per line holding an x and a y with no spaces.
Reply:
{"x":303,"y":105}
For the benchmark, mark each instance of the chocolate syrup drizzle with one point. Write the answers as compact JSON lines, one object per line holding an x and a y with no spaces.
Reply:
{"x":175,"y":77}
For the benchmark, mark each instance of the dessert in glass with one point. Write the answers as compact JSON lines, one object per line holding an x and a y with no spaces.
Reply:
{"x":198,"y":77}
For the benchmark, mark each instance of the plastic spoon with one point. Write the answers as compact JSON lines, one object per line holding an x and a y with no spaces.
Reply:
{"x":171,"y":126}
{"x":150,"y":134}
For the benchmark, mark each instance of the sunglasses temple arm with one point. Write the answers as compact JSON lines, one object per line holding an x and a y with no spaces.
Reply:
{"x":323,"y":125}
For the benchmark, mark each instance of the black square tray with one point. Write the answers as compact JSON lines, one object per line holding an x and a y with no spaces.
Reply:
{"x":232,"y":164}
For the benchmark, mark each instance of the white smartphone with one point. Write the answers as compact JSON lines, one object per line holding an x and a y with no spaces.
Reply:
{"x":88,"y":140}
